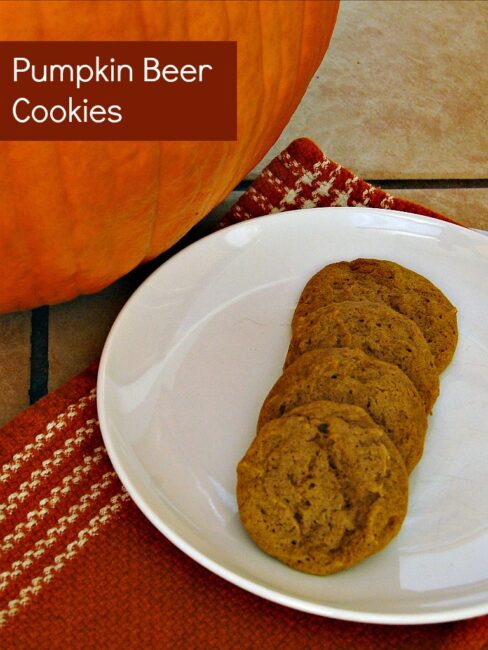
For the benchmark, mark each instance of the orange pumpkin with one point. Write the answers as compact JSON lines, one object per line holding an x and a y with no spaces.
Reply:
{"x":75,"y":216}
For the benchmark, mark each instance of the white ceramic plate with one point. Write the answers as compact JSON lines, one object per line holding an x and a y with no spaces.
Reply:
{"x":195,"y":350}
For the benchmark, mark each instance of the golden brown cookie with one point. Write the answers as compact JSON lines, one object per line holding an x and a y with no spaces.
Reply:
{"x":352,"y":377}
{"x":402,"y":289}
{"x":377,"y":330}
{"x":322,"y":488}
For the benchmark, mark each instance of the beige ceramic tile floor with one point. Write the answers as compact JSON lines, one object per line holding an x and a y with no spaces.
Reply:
{"x":402,"y":91}
{"x":15,"y":332}
{"x":402,"y":94}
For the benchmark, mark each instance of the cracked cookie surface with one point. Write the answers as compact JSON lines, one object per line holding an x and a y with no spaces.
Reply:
{"x":383,"y":281}
{"x":377,"y":330}
{"x":322,"y":488}
{"x":350,"y":376}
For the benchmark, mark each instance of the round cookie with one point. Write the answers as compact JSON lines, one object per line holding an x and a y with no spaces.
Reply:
{"x":322,"y":488}
{"x":350,"y":376}
{"x":376,"y":329}
{"x":402,"y":289}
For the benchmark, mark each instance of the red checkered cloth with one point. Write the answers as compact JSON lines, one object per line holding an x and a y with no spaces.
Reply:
{"x":82,"y":568}
{"x":303,"y":177}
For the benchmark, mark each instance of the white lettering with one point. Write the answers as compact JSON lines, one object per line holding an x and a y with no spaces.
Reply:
{"x":80,"y":74}
{"x":14,"y":110}
{"x":41,"y":111}
{"x":17,"y":70}
{"x":188,"y":73}
{"x":62,"y":113}
{"x":72,"y":112}
{"x":171,"y":73}
{"x":201,"y":68}
{"x":115,"y":111}
{"x":151,"y":64}
{"x":73,"y":115}
{"x":170,"y":69}
{"x":58,"y":72}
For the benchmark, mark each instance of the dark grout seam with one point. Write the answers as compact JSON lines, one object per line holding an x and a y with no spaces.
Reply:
{"x":431,"y":183}
{"x":39,"y":367}
{"x":243,"y":185}
{"x":410,"y":183}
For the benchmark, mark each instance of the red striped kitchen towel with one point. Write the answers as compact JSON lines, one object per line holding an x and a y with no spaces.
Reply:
{"x":82,"y":568}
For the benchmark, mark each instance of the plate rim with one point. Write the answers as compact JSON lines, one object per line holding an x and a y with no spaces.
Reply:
{"x":273,"y":595}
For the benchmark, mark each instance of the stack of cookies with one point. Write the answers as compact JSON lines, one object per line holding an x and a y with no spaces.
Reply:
{"x":325,"y":482}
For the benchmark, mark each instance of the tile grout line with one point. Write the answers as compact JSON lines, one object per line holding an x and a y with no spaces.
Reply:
{"x":431,"y":183}
{"x":408,"y":183}
{"x":39,"y":360}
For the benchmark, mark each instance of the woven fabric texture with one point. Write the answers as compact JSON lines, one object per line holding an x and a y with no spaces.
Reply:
{"x":80,"y":567}
{"x":303,"y":177}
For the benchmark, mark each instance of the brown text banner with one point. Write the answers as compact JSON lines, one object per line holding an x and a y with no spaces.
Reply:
{"x":111,"y":90}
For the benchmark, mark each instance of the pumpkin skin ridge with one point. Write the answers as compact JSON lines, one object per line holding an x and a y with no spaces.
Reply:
{"x":153,"y":219}
{"x":151,"y":254}
{"x":64,"y":186}
{"x":142,"y":16}
{"x":289,"y":109}
{"x":33,"y":274}
{"x":27,"y":276}
{"x":111,"y":235}
{"x":156,"y":211}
